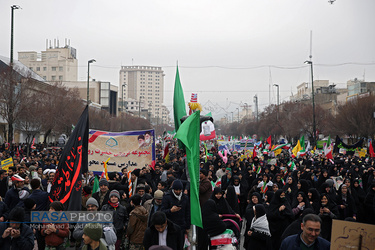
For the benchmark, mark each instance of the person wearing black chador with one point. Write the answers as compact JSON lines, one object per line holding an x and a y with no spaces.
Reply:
{"x":345,"y":203}
{"x":221,"y":203}
{"x":259,"y":233}
{"x":212,"y":224}
{"x":328,"y":211}
{"x":279,"y":216}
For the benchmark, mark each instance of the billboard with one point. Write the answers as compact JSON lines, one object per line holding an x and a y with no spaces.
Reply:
{"x":131,"y":149}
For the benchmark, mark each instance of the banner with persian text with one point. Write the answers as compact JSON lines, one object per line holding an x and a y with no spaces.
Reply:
{"x":131,"y":149}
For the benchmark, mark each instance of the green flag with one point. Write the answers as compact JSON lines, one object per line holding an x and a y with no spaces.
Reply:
{"x":188,"y":133}
{"x":95,"y":188}
{"x":179,"y":109}
{"x":302,"y":142}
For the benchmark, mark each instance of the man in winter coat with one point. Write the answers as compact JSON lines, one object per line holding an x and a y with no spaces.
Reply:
{"x":137,"y":223}
{"x":309,"y":238}
{"x":176,"y":206}
{"x":15,"y":235}
{"x":163,"y":232}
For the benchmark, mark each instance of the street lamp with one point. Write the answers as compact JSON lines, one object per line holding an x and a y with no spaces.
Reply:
{"x":246,"y":105}
{"x":313,"y":99}
{"x":238,"y":115}
{"x":88,"y":80}
{"x":13,"y":7}
{"x":278,"y":100}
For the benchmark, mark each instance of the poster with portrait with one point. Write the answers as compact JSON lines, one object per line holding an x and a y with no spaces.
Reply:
{"x":131,"y":149}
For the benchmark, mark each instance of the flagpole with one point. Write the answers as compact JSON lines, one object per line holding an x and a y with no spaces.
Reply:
{"x":194,"y":238}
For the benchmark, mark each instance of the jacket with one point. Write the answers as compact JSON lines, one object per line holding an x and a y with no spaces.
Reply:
{"x":57,"y":238}
{"x":41,"y":199}
{"x":25,"y":241}
{"x":102,"y":246}
{"x":175,"y":237}
{"x":137,"y":225}
{"x":181,"y":217}
{"x":120,"y":218}
{"x":293,"y":243}
{"x":105,"y":200}
{"x":150,"y":208}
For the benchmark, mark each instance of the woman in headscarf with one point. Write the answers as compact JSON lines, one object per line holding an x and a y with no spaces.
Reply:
{"x":303,"y":185}
{"x":290,"y":189}
{"x":359,"y":196}
{"x":221,"y":203}
{"x":277,"y":180}
{"x":259,"y":232}
{"x":212,"y":224}
{"x":268,"y":198}
{"x":345,"y":203}
{"x":241,"y":191}
{"x":279,"y":216}
{"x":300,"y":204}
{"x":232,"y":199}
{"x":322,"y":178}
{"x":327,"y":212}
{"x":226,"y":180}
{"x":314,"y":199}
{"x":253,"y":200}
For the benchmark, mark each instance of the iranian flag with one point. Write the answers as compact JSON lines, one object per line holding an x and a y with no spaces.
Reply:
{"x":371,"y":149}
{"x":222,"y":239}
{"x":292,"y":165}
{"x":281,"y":146}
{"x":259,"y":170}
{"x":264,"y":188}
{"x":328,"y":149}
{"x":208,"y":130}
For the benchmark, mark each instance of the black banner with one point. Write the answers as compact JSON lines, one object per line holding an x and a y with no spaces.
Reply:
{"x":340,"y":144}
{"x":67,"y":185}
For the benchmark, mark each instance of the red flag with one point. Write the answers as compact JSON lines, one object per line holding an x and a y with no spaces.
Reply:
{"x":371,"y":150}
{"x":254,"y":152}
{"x":269,"y":141}
{"x":67,"y":184}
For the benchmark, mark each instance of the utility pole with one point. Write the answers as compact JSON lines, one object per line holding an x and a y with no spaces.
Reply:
{"x":13,"y":7}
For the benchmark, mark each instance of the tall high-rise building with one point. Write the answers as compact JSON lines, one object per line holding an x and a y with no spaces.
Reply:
{"x":53,"y":64}
{"x":142,"y":87}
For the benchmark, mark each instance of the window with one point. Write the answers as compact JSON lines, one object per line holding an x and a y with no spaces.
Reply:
{"x":31,"y":68}
{"x":60,"y":68}
{"x":44,"y":68}
{"x":37,"y":68}
{"x":60,"y":78}
{"x":53,"y":78}
{"x":45,"y":78}
{"x":53,"y":68}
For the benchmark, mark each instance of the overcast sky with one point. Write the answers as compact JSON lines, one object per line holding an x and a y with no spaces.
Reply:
{"x":227,"y":51}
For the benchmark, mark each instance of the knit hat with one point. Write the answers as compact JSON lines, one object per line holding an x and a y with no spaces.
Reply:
{"x":87,"y":189}
{"x":177,"y":185}
{"x":114,"y":193}
{"x":29,"y":203}
{"x":17,"y":214}
{"x":141,"y":187}
{"x":92,"y":201}
{"x":57,"y":205}
{"x":103,"y":182}
{"x":158,"y":194}
{"x":23,"y":194}
{"x":94,"y":231}
{"x":32,"y":168}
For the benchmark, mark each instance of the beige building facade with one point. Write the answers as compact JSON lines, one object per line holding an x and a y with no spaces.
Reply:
{"x":53,"y":64}
{"x":143,"y":87}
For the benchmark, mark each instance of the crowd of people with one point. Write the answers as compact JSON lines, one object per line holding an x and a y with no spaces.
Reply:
{"x":152,"y":208}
